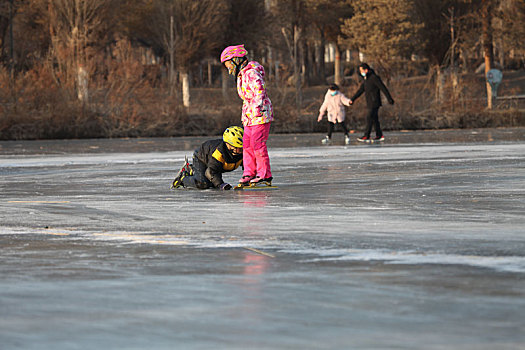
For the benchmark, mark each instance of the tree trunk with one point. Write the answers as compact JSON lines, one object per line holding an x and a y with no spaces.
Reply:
{"x":82,"y":85}
{"x":501,"y":53}
{"x":314,"y":62}
{"x":277,"y":72}
{"x":171,"y":49}
{"x":305,"y":67}
{"x":440,"y":85}
{"x":453,"y":70}
{"x":486,"y":38}
{"x":320,"y":59}
{"x":296,"y":72}
{"x":337,"y":66}
{"x":185,"y":77}
{"x":225,"y":83}
{"x":210,"y":78}
{"x":11,"y":44}
{"x":269,"y":58}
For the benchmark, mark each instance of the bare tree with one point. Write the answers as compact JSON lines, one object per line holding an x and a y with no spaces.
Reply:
{"x":512,"y":17}
{"x":383,"y":29}
{"x":328,"y":16}
{"x":189,"y":31}
{"x":291,"y":20}
{"x":248,"y":23}
{"x":439,"y":39}
{"x":77,"y":28}
{"x":5,"y":20}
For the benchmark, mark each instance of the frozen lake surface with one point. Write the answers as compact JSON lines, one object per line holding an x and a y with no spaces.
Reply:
{"x":417,"y":243}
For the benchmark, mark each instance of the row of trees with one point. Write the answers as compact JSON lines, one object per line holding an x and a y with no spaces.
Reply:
{"x":93,"y":51}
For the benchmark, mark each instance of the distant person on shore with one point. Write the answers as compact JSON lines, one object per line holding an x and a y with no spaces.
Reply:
{"x":257,"y":114}
{"x":211,"y":160}
{"x":371,"y":86}
{"x":334,"y":106}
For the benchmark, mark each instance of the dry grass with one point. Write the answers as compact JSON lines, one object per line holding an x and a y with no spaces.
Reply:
{"x":128,"y":100}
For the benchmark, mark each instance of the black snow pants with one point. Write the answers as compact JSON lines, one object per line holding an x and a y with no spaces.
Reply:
{"x":331,"y":127}
{"x":198,"y":179}
{"x":372,"y":119}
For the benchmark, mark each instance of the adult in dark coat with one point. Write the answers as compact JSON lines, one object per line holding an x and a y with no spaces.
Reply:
{"x":372,"y":87}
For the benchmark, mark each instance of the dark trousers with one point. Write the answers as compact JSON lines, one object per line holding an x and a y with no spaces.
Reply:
{"x":198,"y":179}
{"x":331,"y":127}
{"x":372,"y":119}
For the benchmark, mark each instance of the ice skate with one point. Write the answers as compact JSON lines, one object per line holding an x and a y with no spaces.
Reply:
{"x":245,"y":180}
{"x":259,"y":181}
{"x":186,"y":170}
{"x":363,"y":139}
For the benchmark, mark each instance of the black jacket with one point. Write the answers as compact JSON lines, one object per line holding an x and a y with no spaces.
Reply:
{"x":218,"y":160}
{"x":371,"y":86}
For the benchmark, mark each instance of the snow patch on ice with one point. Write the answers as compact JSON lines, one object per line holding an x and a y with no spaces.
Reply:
{"x":499,"y":263}
{"x":514,"y":264}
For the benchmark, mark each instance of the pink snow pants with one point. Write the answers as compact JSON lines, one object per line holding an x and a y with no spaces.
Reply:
{"x":255,"y":154}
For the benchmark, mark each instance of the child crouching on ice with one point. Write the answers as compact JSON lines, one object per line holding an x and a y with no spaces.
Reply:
{"x":211,"y":160}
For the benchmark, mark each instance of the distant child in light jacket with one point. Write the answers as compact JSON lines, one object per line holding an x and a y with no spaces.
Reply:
{"x":257,"y":113}
{"x":334,"y":104}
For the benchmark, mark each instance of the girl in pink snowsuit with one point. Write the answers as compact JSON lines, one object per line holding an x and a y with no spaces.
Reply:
{"x":257,"y":113}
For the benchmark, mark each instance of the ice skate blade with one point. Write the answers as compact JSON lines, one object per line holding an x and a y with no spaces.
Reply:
{"x":255,"y":187}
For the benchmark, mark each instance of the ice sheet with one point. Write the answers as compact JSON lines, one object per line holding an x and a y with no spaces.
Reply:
{"x":368,"y":246}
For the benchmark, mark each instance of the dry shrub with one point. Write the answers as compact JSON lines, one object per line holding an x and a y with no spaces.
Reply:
{"x":125,"y":100}
{"x":123,"y":95}
{"x":212,"y":112}
{"x":416,"y":107}
{"x":288,"y":119}
{"x":34,"y":106}
{"x":129,"y":99}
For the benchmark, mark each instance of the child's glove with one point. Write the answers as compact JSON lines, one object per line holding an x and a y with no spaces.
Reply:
{"x":225,"y":186}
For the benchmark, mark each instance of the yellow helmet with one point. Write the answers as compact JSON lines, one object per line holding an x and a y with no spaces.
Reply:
{"x":233,"y":135}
